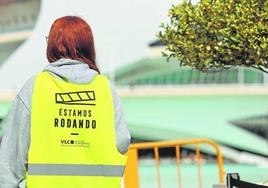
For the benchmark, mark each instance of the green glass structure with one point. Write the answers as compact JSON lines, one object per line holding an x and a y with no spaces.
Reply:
{"x":184,"y":116}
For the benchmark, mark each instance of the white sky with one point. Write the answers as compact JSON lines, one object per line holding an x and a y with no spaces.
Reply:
{"x":122,"y":30}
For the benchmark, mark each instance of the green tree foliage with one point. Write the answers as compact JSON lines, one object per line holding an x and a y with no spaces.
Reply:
{"x":218,"y":34}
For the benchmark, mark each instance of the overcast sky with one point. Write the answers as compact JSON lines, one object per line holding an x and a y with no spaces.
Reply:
{"x":122,"y":30}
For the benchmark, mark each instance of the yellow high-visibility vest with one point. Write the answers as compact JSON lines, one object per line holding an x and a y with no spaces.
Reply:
{"x":73,"y":142}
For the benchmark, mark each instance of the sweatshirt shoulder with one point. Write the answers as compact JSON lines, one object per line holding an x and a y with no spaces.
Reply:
{"x":112,"y":87}
{"x":26,"y":92}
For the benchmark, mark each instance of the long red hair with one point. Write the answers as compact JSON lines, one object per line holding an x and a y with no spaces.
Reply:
{"x":71,"y":37}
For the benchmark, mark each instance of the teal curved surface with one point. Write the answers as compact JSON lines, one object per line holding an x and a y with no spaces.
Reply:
{"x":187,"y":117}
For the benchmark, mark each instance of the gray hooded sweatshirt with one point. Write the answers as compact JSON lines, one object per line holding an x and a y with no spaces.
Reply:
{"x":15,"y":142}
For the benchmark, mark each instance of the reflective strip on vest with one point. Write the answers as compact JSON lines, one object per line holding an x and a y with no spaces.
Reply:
{"x":75,"y":170}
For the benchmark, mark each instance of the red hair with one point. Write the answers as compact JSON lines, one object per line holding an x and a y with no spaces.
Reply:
{"x":71,"y":37}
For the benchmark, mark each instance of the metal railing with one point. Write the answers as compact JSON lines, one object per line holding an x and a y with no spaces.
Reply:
{"x":131,"y":178}
{"x":185,"y":77}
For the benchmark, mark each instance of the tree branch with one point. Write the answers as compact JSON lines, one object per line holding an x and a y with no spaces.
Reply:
{"x":258,"y":67}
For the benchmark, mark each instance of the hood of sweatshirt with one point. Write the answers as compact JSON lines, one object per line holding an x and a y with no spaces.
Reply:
{"x":73,"y":71}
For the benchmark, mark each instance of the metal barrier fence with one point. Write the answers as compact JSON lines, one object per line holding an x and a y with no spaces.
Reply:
{"x":131,"y":179}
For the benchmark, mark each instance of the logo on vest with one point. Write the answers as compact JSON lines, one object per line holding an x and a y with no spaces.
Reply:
{"x":75,"y":143}
{"x":77,"y":113}
{"x":76,"y":98}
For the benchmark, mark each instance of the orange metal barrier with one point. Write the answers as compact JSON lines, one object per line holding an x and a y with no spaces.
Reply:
{"x":131,"y":178}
